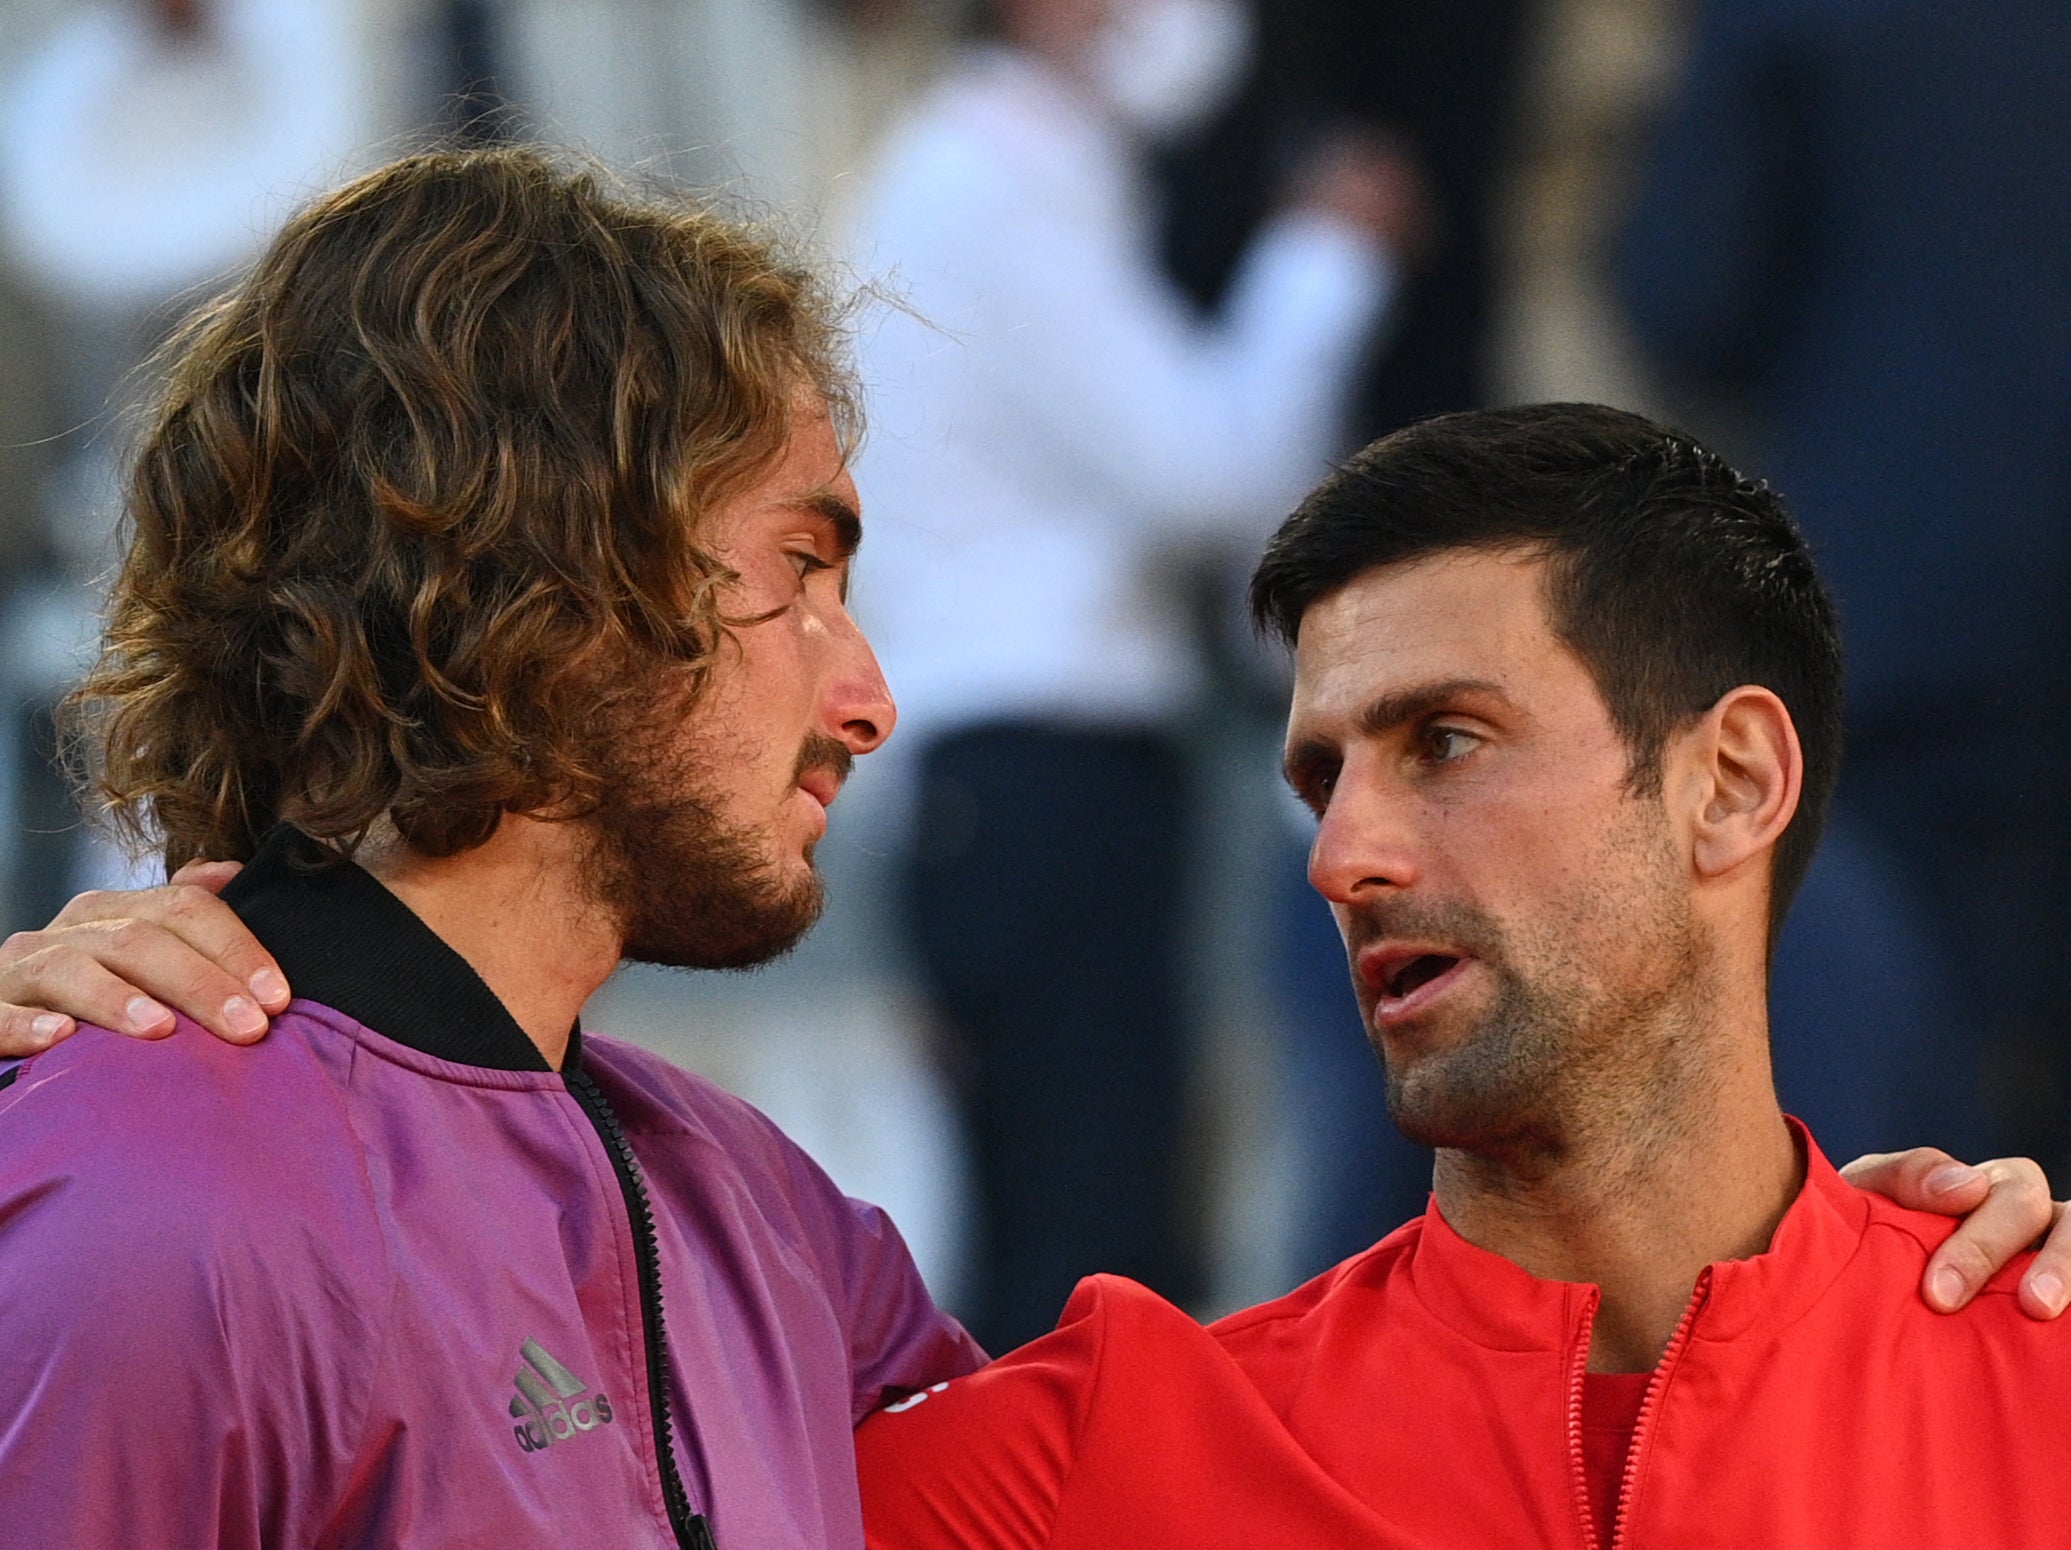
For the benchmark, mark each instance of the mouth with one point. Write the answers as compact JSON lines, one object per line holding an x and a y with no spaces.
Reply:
{"x":822,"y":785}
{"x":1407,"y":979}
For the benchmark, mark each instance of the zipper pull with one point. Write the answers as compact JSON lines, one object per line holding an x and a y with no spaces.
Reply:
{"x":701,"y":1533}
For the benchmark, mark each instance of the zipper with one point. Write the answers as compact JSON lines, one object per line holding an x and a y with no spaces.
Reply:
{"x":693,"y":1531}
{"x":1649,"y":1405}
{"x":1578,"y":1463}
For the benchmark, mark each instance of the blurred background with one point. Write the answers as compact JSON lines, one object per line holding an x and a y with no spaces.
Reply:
{"x":1143,"y":268}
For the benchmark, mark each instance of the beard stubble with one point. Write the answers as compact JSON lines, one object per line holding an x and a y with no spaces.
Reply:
{"x":690,"y":889}
{"x":1568,"y":1047}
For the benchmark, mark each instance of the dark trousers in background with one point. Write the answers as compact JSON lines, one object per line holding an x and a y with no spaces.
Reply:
{"x":1969,"y":795}
{"x":1043,"y":899}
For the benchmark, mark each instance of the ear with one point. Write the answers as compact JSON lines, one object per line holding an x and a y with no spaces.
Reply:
{"x":1744,"y":770}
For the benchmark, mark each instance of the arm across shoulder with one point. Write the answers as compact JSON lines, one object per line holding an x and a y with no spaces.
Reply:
{"x":981,"y":1461}
{"x":1129,"y":1424}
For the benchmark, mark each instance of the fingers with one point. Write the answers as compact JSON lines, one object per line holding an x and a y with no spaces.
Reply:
{"x":192,"y":913}
{"x":2015,"y":1212}
{"x":2046,"y":1286}
{"x":189,"y":910}
{"x":211,"y":875}
{"x":2005,"y":1205}
{"x":29,"y":1030}
{"x":1923,"y":1179}
{"x":44,"y":972}
{"x":126,"y":975}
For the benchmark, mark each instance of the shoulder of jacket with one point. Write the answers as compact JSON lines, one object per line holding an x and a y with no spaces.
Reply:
{"x":686,"y":1104}
{"x":696,"y":1102}
{"x":187,"y":1191}
{"x":1130,"y":1335}
{"x":188,"y":1080}
{"x":216,"y":1140}
{"x":1366,"y":1269}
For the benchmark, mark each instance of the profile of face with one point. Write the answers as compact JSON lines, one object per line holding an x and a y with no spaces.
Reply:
{"x":1516,"y":912}
{"x":704,"y":841}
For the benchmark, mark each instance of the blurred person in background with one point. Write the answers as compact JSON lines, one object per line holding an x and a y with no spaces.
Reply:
{"x":1854,"y":241}
{"x":1443,"y":82}
{"x":147,"y":147}
{"x":1054,"y":429}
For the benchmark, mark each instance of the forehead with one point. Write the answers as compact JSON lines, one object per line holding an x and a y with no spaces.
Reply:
{"x":1462,"y":616}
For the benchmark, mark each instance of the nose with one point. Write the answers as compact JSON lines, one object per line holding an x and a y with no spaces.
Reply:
{"x":859,"y":707}
{"x":1364,"y":845}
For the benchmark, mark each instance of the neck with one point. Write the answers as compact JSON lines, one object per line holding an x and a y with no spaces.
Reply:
{"x":1692,"y":1165}
{"x":515,"y":909}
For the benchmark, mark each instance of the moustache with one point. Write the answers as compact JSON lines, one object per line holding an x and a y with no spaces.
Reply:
{"x":1462,"y":926}
{"x":822,"y":752}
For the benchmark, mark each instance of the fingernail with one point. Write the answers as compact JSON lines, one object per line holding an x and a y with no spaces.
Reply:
{"x":2048,"y":1289}
{"x":1950,"y":1177}
{"x":1947,"y":1287}
{"x":49,"y":1028}
{"x":243,"y":1017}
{"x":268,"y":988}
{"x":144,"y":1014}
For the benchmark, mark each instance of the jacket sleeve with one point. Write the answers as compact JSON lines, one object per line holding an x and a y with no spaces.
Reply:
{"x":981,"y":1463}
{"x":173,"y":1373}
{"x":898,"y":1339}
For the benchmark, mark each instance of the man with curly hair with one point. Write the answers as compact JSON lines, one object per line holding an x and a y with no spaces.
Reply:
{"x":488,"y":600}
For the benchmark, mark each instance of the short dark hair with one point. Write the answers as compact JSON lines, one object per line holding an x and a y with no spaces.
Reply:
{"x":1672,"y":576}
{"x":424,"y":486}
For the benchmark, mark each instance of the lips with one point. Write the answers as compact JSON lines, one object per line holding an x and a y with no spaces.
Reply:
{"x":823,"y":764}
{"x":821,"y":785}
{"x":1407,"y":977}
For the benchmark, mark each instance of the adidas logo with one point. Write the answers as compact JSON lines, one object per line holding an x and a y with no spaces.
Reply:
{"x":547,"y":1409}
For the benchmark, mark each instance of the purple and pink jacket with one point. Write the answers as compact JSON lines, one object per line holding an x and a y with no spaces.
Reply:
{"x":386,"y":1279}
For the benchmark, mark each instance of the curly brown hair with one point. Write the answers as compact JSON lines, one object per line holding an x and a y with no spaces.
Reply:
{"x":422,"y":493}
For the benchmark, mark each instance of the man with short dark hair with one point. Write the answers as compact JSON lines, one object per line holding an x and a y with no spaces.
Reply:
{"x":488,"y":600}
{"x":1566,"y":710}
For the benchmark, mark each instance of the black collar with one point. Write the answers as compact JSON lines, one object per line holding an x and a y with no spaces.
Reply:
{"x":346,"y":942}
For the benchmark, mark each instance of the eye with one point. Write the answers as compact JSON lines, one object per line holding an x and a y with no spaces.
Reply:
{"x":1447,"y":745}
{"x":805,"y":561}
{"x":1313,"y":787}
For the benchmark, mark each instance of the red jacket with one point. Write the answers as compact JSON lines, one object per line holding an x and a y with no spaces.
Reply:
{"x":1428,"y":1393}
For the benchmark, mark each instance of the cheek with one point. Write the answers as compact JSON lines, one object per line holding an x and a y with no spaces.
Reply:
{"x":1556,"y":868}
{"x":1623,"y":900}
{"x":776,"y":660}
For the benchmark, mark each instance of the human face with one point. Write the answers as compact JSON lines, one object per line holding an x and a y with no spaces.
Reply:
{"x":1519,"y":930}
{"x":707,"y":830}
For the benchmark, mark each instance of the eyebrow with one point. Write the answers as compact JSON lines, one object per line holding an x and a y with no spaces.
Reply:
{"x":844,"y":518}
{"x":1383,"y":715}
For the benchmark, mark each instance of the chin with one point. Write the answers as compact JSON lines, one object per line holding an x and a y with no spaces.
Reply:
{"x":1470,"y":1097}
{"x":750,"y":934}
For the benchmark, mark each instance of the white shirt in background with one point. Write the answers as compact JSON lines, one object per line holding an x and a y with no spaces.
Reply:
{"x":1053,"y":421}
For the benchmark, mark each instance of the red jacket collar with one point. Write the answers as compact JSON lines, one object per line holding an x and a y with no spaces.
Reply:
{"x":1492,"y":1302}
